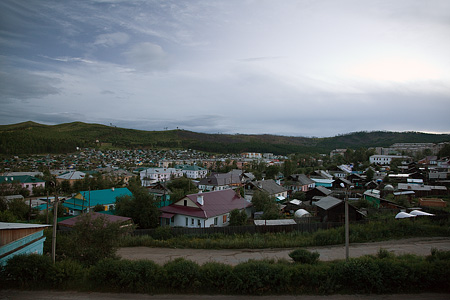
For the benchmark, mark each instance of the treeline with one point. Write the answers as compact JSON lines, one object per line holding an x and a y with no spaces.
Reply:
{"x":33,"y":138}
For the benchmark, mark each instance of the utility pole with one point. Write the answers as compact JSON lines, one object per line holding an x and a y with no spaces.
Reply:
{"x":55,"y":222}
{"x":347,"y":231}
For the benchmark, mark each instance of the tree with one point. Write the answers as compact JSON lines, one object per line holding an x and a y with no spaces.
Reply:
{"x":181,"y":187}
{"x":238,"y":218}
{"x":369,"y":174}
{"x":140,"y":207}
{"x":93,"y":239}
{"x":263,"y":202}
{"x":98,"y":208}
{"x":272,"y":171}
{"x":18,"y":208}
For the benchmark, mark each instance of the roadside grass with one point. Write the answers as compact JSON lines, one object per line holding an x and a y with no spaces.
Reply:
{"x":359,"y":233}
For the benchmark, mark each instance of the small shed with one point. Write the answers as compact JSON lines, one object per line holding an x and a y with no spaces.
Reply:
{"x":20,"y":238}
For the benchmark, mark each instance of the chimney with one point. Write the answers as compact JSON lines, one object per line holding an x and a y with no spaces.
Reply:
{"x":200,"y":198}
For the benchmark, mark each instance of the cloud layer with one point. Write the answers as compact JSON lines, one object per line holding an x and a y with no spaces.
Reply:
{"x":302,"y":68}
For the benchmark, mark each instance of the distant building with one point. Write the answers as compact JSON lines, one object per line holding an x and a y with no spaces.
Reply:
{"x":153,"y":175}
{"x":193,"y":171}
{"x":25,"y":181}
{"x":385,"y":159}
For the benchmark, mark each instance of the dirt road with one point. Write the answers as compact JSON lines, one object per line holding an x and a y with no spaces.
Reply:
{"x":417,"y":246}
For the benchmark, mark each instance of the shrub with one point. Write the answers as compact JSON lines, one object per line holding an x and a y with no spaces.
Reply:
{"x":67,"y":274}
{"x":260,"y":277}
{"x":182,"y":275}
{"x":142,"y":276}
{"x":304,"y":256}
{"x":29,"y":270}
{"x":162,"y":233}
{"x":215,"y":277}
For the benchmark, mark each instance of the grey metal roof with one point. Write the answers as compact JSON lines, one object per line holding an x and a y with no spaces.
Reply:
{"x":328,"y":202}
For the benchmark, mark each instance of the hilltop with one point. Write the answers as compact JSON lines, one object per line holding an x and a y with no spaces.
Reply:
{"x":34,"y":138}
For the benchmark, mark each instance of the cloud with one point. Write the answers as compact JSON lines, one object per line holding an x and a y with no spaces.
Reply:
{"x":111,"y":39}
{"x":24,"y":84}
{"x":147,"y":57}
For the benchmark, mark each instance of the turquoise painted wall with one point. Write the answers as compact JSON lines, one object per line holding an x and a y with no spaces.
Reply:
{"x":36,"y":247}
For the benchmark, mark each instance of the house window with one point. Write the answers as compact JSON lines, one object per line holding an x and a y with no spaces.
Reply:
{"x":216,"y":220}
{"x":185,"y":202}
{"x":187,"y":221}
{"x":199,"y":223}
{"x":224,"y":220}
{"x":192,"y":221}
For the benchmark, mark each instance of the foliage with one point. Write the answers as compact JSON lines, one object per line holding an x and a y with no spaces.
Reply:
{"x":304,"y":256}
{"x":93,"y":239}
{"x":364,"y":275}
{"x":65,"y":138}
{"x":238,"y":217}
{"x":182,"y":275}
{"x":98,"y":207}
{"x":262,"y":202}
{"x":376,"y":230}
{"x":28,"y":270}
{"x":181,"y":187}
{"x":140,"y":276}
{"x":140,"y":207}
{"x":18,"y":208}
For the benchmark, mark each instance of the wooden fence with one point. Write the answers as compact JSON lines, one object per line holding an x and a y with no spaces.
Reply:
{"x":248,"y":229}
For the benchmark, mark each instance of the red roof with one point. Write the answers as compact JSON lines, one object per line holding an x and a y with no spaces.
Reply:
{"x":214,"y":203}
{"x":111,"y":218}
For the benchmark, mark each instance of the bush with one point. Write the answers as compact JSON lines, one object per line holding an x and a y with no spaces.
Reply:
{"x":141,"y":276}
{"x":182,"y":275}
{"x":29,"y":270}
{"x":215,"y":277}
{"x":162,"y":233}
{"x":67,"y":274}
{"x":260,"y":277}
{"x":304,"y":256}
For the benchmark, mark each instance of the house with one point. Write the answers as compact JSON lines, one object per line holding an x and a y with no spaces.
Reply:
{"x":71,"y":177}
{"x":299,"y":183}
{"x":86,"y":200}
{"x":193,"y":171}
{"x":153,"y":175}
{"x":385,"y":159}
{"x":20,"y":238}
{"x":328,"y":183}
{"x":25,"y":181}
{"x":268,"y":186}
{"x":220,"y":181}
{"x":338,"y":181}
{"x":67,"y":224}
{"x":356,"y":179}
{"x":318,"y":191}
{"x":422,"y":190}
{"x":203,"y":209}
{"x":161,"y":193}
{"x":331,"y":209}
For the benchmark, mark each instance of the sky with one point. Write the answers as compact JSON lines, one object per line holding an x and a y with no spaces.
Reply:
{"x":291,"y":67}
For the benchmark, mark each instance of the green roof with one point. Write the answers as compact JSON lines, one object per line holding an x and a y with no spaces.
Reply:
{"x":102,"y":197}
{"x":190,"y":168}
{"x":21,"y":179}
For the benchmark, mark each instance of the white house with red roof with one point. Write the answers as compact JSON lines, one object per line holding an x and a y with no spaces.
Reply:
{"x":204,"y":209}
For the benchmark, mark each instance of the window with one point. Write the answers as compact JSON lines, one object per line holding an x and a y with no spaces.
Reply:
{"x":192,"y":221}
{"x":216,"y":220}
{"x":187,"y":221}
{"x":199,"y":223}
{"x":185,"y":202}
{"x":224,"y":219}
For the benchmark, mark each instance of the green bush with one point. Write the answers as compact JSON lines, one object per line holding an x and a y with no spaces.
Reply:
{"x":304,"y":256}
{"x":162,"y":233}
{"x":142,"y":276}
{"x":182,"y":275}
{"x":67,"y":274}
{"x":29,"y":270}
{"x":260,"y":277}
{"x":437,"y":254}
{"x":215,"y":277}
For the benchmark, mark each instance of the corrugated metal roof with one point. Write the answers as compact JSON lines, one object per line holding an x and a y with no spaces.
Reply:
{"x":5,"y":225}
{"x":328,"y":202}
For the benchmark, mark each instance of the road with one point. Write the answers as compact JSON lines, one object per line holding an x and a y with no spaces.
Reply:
{"x":417,"y":246}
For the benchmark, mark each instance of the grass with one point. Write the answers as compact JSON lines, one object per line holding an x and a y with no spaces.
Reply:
{"x":359,"y":233}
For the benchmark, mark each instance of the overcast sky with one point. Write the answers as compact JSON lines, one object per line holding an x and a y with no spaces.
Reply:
{"x":290,"y":67}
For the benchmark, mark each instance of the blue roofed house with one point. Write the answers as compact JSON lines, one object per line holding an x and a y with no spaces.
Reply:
{"x":20,"y":238}
{"x":86,"y":200}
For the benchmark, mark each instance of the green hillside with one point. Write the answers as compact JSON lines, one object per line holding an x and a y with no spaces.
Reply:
{"x":34,"y":138}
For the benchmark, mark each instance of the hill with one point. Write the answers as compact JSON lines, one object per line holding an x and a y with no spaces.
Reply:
{"x":34,"y":138}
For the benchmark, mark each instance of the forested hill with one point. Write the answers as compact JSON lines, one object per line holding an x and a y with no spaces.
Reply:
{"x":34,"y":138}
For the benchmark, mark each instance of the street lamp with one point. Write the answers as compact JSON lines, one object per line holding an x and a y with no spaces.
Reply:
{"x":347,"y":231}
